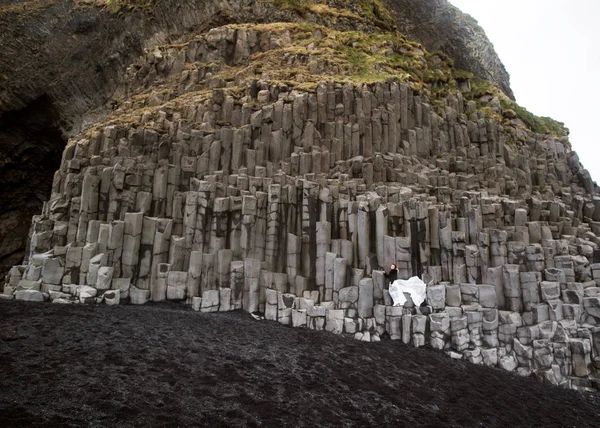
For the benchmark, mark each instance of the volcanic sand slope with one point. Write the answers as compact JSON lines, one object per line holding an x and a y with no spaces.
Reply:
{"x":168,"y":366}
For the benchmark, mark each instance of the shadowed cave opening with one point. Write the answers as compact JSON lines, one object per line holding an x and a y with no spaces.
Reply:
{"x":31,"y":145}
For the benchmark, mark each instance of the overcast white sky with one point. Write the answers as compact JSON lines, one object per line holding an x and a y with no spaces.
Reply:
{"x":551,"y":48}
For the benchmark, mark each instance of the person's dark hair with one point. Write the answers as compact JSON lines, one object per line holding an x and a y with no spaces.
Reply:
{"x":395,"y":265}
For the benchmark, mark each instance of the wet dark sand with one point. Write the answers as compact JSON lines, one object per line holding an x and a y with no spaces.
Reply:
{"x":71,"y":365}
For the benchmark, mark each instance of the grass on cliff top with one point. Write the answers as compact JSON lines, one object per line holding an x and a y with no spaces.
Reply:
{"x":538,"y":124}
{"x":373,"y":11}
{"x":321,"y":9}
{"x":118,"y":6}
{"x":317,"y":53}
{"x":133,"y":117}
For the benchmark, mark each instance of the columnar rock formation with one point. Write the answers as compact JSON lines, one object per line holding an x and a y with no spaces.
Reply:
{"x":220,"y":183}
{"x":63,"y":59}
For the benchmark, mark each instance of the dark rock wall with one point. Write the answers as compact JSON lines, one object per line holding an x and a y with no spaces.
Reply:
{"x":31,"y":145}
{"x":441,"y":26}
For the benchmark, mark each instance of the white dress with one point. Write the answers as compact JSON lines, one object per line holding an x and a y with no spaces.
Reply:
{"x":413,"y":286}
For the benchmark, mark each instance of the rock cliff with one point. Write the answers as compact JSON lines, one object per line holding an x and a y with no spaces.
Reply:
{"x":63,"y":60}
{"x":440,"y":26}
{"x":276,"y":160}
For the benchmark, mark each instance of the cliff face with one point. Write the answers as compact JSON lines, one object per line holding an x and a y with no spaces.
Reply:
{"x":69,"y":57}
{"x":441,"y":26}
{"x":61,"y":63}
{"x":74,"y":51}
{"x":277,"y":161}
